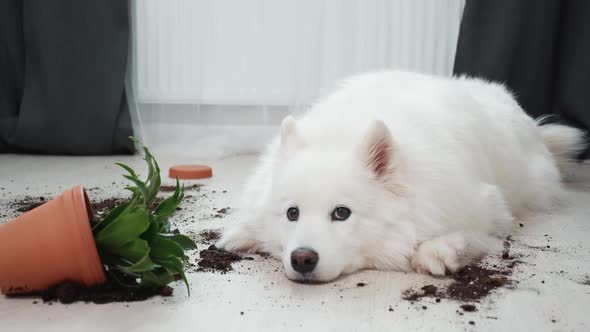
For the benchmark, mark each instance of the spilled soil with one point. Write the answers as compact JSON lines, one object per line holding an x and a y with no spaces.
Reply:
{"x":100,"y":208}
{"x":214,"y":259}
{"x":220,"y":213}
{"x":103,"y":207}
{"x":169,"y":189}
{"x":70,"y":292}
{"x":28,"y":203}
{"x":472,"y":283}
{"x":475,"y":282}
{"x":468,"y":307}
{"x":209,"y":236}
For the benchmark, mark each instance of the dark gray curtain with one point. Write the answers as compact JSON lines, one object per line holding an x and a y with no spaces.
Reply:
{"x":539,"y":48}
{"x":62,"y":71}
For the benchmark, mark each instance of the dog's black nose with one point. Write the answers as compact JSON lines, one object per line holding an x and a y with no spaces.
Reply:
{"x":304,"y":260}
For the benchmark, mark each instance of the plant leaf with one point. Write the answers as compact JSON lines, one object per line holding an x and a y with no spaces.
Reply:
{"x":176,"y":267}
{"x":114,"y":213}
{"x":153,"y":180}
{"x":132,"y":251}
{"x":150,"y":280}
{"x":152,"y":231}
{"x":128,"y":169}
{"x":169,"y":205}
{"x":164,"y":248}
{"x":184,"y":241}
{"x":140,"y":185}
{"x":123,"y":229}
{"x":159,"y":278}
{"x":143,"y":265}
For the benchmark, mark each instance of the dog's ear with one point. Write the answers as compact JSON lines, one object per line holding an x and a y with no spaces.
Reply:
{"x":290,"y":138}
{"x":378,"y":149}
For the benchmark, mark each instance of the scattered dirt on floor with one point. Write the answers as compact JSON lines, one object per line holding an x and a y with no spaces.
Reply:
{"x":425,"y":291}
{"x":103,"y":207}
{"x":169,"y":189}
{"x":28,"y":203}
{"x":468,"y":307}
{"x":100,"y":208}
{"x":471,"y":283}
{"x":475,"y":282}
{"x":213,"y":259}
{"x":585,"y":281}
{"x":70,"y":292}
{"x":209,"y":236}
{"x":220,"y":213}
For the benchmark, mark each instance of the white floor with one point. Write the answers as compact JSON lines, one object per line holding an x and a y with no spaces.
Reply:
{"x":257,"y":297}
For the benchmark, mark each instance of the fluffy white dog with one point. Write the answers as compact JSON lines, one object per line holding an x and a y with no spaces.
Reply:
{"x":400,"y":171}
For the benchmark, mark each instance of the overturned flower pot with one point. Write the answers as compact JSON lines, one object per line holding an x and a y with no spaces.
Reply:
{"x":50,"y":244}
{"x":130,"y":249}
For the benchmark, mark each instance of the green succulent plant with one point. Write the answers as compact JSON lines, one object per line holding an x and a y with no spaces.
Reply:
{"x":133,"y":240}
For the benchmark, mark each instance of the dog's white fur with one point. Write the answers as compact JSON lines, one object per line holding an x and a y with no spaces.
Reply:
{"x":433,"y":169}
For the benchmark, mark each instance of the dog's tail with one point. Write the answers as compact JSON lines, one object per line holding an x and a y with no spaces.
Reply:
{"x":565,"y":143}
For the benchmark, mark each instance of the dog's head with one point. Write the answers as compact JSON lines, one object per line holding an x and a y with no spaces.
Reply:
{"x":337,"y":209}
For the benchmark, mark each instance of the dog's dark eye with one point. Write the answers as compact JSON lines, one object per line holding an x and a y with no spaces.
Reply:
{"x":293,"y":213}
{"x":340,"y":213}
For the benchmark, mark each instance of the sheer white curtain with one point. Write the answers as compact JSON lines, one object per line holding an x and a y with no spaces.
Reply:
{"x":214,"y":77}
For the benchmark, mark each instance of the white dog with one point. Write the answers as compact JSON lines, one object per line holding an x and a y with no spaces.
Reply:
{"x":400,"y":171}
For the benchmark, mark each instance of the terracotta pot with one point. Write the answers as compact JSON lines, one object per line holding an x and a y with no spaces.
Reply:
{"x":50,"y":244}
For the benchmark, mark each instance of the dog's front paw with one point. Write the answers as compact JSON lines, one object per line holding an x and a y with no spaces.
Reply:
{"x":238,"y":238}
{"x":436,"y":257}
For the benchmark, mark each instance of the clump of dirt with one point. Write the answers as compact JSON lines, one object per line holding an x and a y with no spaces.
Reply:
{"x":220,"y":213}
{"x":474,"y":282}
{"x":70,"y":292}
{"x":214,"y":259}
{"x":209,"y":236}
{"x":169,"y":189}
{"x":468,"y":307}
{"x":471,"y":283}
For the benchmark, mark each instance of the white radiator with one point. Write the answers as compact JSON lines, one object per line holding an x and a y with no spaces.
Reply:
{"x":281,"y":52}
{"x":211,"y":78}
